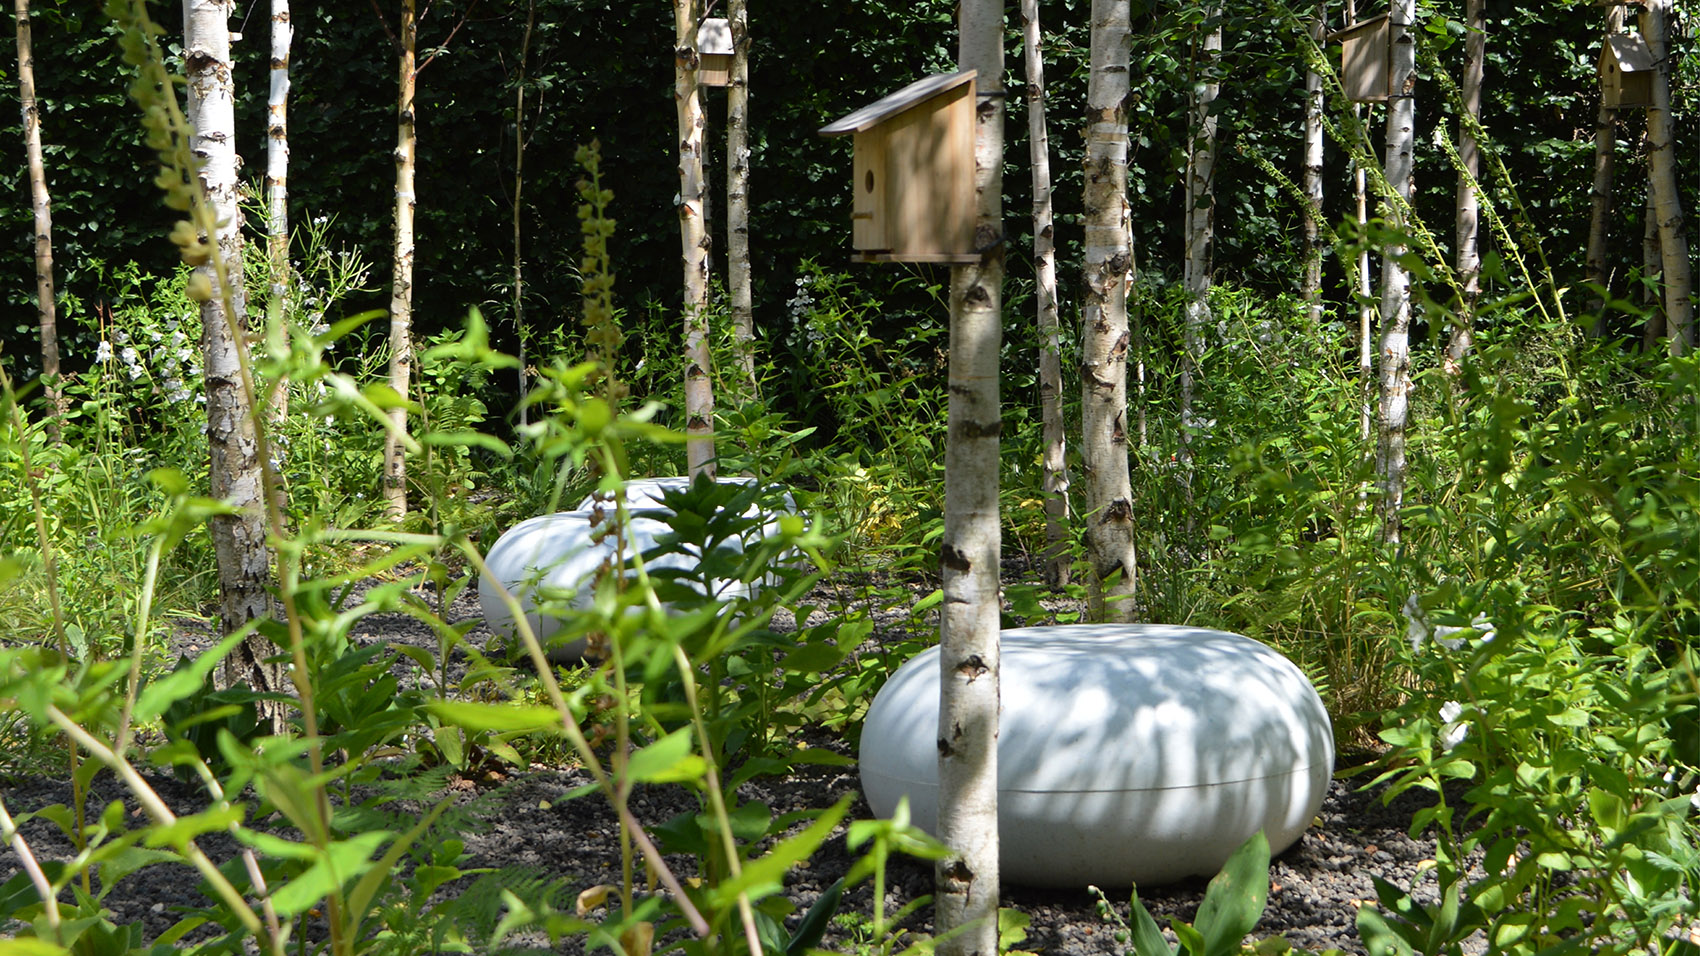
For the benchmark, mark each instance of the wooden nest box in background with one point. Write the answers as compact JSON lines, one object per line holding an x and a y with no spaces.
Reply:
{"x":1626,"y":72}
{"x":1366,"y":59}
{"x":714,"y":52}
{"x":914,"y":172}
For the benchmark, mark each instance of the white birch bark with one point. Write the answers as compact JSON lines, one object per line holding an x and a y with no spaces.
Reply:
{"x":1200,"y":221}
{"x":1104,"y":326}
{"x":518,"y":206}
{"x":1652,"y":272}
{"x":1311,"y":287}
{"x":1605,"y":162}
{"x":239,"y":539}
{"x":693,"y":241}
{"x":1468,"y":254}
{"x":1667,"y":200}
{"x":46,"y":308}
{"x":401,"y":285}
{"x":738,"y":274}
{"x":1395,"y":351}
{"x":1055,"y":461}
{"x":277,"y":189}
{"x":966,"y":896}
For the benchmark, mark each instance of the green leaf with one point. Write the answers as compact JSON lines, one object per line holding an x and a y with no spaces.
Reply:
{"x":183,"y":682}
{"x":1234,"y":900}
{"x":503,"y":718}
{"x":668,"y":760}
{"x":1379,"y":938}
{"x":1147,"y":938}
{"x":766,"y":875}
{"x":332,"y":867}
{"x":30,"y":946}
{"x":814,"y":923}
{"x":813,"y":658}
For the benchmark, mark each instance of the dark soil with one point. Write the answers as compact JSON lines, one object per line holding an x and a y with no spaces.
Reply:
{"x":1316,"y":886}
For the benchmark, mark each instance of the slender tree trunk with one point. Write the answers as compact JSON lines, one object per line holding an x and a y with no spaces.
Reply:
{"x":694,"y":242}
{"x":1311,"y":288}
{"x":738,"y":277}
{"x":1661,"y":163}
{"x":1652,"y":272}
{"x":967,"y":880}
{"x":401,"y":286}
{"x":1395,"y":282}
{"x":47,"y":310}
{"x":1200,"y":223}
{"x":1105,"y":335}
{"x":1469,"y":255}
{"x":1366,"y":309}
{"x":239,"y":539}
{"x":1605,"y":159}
{"x":518,"y":206}
{"x":277,"y":192}
{"x":1055,"y":461}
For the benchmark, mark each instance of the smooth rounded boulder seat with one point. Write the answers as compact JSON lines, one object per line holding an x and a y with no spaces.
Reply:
{"x":553,"y":559}
{"x":1127,"y":753}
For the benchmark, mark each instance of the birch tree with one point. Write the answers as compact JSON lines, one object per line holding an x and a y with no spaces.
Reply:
{"x":1395,"y":351}
{"x":738,"y":275}
{"x":1605,"y":160}
{"x":239,"y":538}
{"x":401,"y":283}
{"x":1105,"y":335}
{"x":1200,"y":214}
{"x":1469,"y":153}
{"x":46,"y":309}
{"x":967,"y":881}
{"x":693,"y":241}
{"x":517,"y":207}
{"x":1366,"y":309}
{"x":1661,"y":169}
{"x":277,"y":185}
{"x":1055,"y":461}
{"x":1310,"y":288}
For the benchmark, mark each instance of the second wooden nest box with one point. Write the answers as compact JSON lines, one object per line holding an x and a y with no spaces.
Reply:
{"x":1366,"y":59}
{"x":914,"y":172}
{"x":1626,"y":72}
{"x":714,"y":52}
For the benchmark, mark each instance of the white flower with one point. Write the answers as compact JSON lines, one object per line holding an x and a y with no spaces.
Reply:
{"x":1694,"y":798}
{"x":129,"y":356}
{"x":1418,"y":629}
{"x":1454,"y":730}
{"x":103,"y":352}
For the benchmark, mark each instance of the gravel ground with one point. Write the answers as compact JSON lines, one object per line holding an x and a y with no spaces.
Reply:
{"x":526,"y":821}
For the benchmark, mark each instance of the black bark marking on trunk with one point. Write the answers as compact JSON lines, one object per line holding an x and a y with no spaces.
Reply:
{"x":952,"y":557}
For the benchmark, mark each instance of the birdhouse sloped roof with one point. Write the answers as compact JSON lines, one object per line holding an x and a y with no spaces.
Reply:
{"x":1630,"y":51}
{"x":714,"y":37}
{"x":911,"y":95}
{"x":1356,"y":28}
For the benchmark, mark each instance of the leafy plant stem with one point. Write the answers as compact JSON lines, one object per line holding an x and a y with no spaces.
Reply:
{"x":155,"y":808}
{"x":43,"y":887}
{"x":716,"y":799}
{"x":575,"y":736}
{"x":139,"y":642}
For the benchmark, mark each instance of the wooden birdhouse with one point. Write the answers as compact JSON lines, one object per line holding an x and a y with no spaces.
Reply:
{"x":714,"y":52}
{"x":1366,"y":59}
{"x":1626,"y":72}
{"x":914,"y":172}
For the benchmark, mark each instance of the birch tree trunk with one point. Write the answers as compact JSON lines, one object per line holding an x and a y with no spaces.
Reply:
{"x":1104,"y":327}
{"x":1395,"y":282}
{"x":1661,"y":164}
{"x":738,"y":276}
{"x":1311,"y":288}
{"x":46,"y":308}
{"x":1605,"y":161}
{"x":1469,"y":256}
{"x":277,"y":190}
{"x":1366,"y":310}
{"x":1652,"y":272}
{"x":239,"y":539}
{"x":1055,"y":462}
{"x":967,"y":881}
{"x":518,"y":206}
{"x":693,"y":241}
{"x":1200,"y":222}
{"x":401,"y":286}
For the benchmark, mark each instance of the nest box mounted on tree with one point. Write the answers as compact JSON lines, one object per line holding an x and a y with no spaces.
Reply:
{"x":714,"y":52}
{"x":914,"y":172}
{"x":1626,"y":72}
{"x":1366,"y":59}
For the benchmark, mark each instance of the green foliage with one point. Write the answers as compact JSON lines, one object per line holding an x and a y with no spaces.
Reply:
{"x":1233,"y":904}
